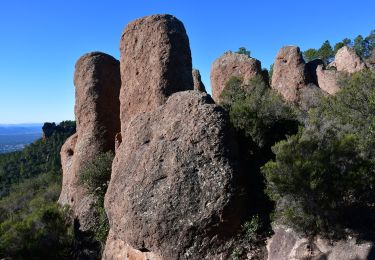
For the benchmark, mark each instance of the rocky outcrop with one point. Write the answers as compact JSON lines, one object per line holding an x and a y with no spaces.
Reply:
{"x":174,"y":181}
{"x":97,"y":83}
{"x":232,"y":64}
{"x":155,"y":63}
{"x":346,"y":60}
{"x":289,"y":245}
{"x":116,"y":249}
{"x":198,"y":84}
{"x":290,"y":74}
{"x":328,"y":80}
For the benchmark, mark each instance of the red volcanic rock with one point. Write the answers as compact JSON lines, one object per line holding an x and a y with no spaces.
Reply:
{"x":155,"y":63}
{"x":173,"y":186}
{"x":232,"y":64}
{"x":346,"y":60}
{"x":289,"y":73}
{"x":198,"y":84}
{"x":97,"y":82}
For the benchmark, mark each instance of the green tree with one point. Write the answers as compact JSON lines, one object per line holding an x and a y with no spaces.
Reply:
{"x":310,"y":54}
{"x":339,"y":45}
{"x":325,"y":52}
{"x":243,"y":50}
{"x":323,"y":178}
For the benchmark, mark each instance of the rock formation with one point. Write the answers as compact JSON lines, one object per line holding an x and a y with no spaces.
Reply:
{"x":97,"y":83}
{"x":290,"y":74}
{"x":198,"y":84}
{"x":328,"y":80}
{"x":155,"y":63}
{"x":173,"y":184}
{"x":346,"y":60}
{"x":232,"y":64}
{"x":116,"y":249}
{"x":287,"y":244}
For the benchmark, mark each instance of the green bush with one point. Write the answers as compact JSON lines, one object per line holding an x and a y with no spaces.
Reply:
{"x":95,"y":175}
{"x":258,"y":111}
{"x":323,"y":178}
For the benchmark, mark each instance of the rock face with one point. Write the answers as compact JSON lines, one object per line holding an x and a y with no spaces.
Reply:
{"x":346,"y":60}
{"x":97,"y":82}
{"x":198,"y":84}
{"x":289,"y":245}
{"x":289,"y":73}
{"x":116,"y":249}
{"x":173,"y":182}
{"x":155,"y":63}
{"x":232,"y":64}
{"x":328,"y":80}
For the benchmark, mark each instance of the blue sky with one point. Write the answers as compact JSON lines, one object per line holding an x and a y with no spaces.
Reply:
{"x":42,"y":39}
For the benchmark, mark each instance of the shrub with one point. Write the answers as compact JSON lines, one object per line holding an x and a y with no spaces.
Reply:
{"x":323,"y":178}
{"x":258,"y":111}
{"x":95,"y":176}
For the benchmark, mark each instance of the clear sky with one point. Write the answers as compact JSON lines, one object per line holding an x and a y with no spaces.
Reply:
{"x":42,"y":39}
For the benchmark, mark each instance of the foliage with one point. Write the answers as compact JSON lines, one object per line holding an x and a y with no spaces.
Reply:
{"x":95,"y":176}
{"x":243,"y":50}
{"x":363,"y":46}
{"x":323,"y":178}
{"x":39,"y":157}
{"x":310,"y":54}
{"x":326,"y":52}
{"x":252,"y":228}
{"x":339,"y":45}
{"x":258,"y":111}
{"x":32,"y":225}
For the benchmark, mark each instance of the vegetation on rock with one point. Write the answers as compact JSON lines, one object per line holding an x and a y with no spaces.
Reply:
{"x":95,"y":175}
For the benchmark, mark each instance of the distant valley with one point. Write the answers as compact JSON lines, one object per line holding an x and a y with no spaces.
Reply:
{"x":14,"y":137}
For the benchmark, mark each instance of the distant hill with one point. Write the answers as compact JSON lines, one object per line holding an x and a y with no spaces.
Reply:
{"x":14,"y":137}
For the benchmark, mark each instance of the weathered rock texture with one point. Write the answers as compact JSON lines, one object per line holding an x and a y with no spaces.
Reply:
{"x":97,"y":82}
{"x":155,"y":63}
{"x":116,"y":249}
{"x":289,"y":245}
{"x":232,"y":64}
{"x":290,"y":74}
{"x":198,"y":84}
{"x":328,"y":80}
{"x":346,"y":60}
{"x":174,"y":181}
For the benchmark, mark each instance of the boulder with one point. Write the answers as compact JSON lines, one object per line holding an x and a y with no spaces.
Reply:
{"x":232,"y":64}
{"x":174,"y":188}
{"x":155,"y":63}
{"x":198,"y":84}
{"x":328,"y":80}
{"x":290,"y":245}
{"x":289,"y":73}
{"x":346,"y":60}
{"x":97,"y":86}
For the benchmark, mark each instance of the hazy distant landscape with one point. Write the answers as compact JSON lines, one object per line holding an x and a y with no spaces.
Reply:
{"x":15,"y":137}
